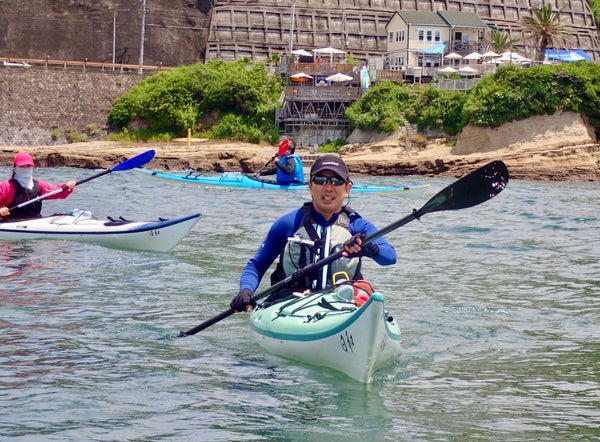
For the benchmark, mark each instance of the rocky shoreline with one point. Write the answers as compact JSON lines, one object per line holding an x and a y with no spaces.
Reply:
{"x":561,"y":147}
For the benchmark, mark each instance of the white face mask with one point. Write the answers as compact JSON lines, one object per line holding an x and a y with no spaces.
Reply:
{"x":24,"y":176}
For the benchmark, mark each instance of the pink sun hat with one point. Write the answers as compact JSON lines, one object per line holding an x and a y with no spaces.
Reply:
{"x":23,"y":159}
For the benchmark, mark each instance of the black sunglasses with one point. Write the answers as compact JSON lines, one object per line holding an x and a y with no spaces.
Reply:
{"x":322,"y":180}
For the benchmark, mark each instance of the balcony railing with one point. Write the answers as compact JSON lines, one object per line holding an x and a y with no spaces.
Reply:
{"x":322,"y":93}
{"x":316,"y":68}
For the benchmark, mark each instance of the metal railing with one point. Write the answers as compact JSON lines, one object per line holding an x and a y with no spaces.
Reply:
{"x":383,"y":75}
{"x":452,"y":84}
{"x":49,"y":63}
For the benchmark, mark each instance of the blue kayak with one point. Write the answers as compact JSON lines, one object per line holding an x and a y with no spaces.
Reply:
{"x":238,"y":180}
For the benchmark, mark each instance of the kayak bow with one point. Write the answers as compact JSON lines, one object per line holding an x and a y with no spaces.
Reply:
{"x":155,"y":236}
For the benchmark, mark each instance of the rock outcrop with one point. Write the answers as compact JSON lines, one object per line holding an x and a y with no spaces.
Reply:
{"x":551,"y":147}
{"x":560,"y":147}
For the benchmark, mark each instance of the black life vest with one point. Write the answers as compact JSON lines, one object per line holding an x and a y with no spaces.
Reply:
{"x":296,"y":254}
{"x":22,"y":194}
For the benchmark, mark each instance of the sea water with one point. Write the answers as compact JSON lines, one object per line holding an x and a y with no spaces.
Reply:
{"x":499,"y":307}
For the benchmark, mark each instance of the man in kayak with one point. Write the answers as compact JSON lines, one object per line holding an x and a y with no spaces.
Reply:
{"x":288,"y":168}
{"x":313,"y":232}
{"x":21,"y":187}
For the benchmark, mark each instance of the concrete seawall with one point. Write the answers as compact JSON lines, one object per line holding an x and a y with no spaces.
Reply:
{"x":46,"y":107}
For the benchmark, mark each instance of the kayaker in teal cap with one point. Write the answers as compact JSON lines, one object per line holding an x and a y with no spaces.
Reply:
{"x":314,"y":231}
{"x":21,"y":187}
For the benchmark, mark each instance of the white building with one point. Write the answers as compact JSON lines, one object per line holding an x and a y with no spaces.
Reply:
{"x":420,"y":39}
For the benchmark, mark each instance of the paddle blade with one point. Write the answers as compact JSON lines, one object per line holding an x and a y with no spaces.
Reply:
{"x":283,"y":147}
{"x":472,"y":189}
{"x":137,"y":161}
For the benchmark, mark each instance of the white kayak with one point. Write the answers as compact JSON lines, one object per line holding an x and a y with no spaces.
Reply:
{"x":154,"y":236}
{"x":326,"y":330}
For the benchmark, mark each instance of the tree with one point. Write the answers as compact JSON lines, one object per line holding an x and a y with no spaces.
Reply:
{"x":500,"y":41}
{"x":546,"y":28}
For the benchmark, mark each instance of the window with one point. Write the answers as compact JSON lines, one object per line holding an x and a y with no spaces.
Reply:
{"x":400,"y":35}
{"x":395,"y":63}
{"x":429,"y":35}
{"x":391,"y":39}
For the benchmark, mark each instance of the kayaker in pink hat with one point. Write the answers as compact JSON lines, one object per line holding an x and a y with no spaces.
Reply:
{"x":21,"y":187}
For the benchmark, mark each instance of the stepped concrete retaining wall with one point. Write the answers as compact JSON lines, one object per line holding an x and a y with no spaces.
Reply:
{"x":44,"y":107}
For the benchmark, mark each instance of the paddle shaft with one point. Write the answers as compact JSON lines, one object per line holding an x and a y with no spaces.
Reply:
{"x":300,"y":274}
{"x":57,"y":191}
{"x":283,"y":147}
{"x":131,"y":163}
{"x":471,"y":190}
{"x":264,"y":167}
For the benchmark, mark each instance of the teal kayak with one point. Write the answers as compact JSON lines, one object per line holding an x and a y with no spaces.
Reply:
{"x":326,"y":329}
{"x":241,"y":181}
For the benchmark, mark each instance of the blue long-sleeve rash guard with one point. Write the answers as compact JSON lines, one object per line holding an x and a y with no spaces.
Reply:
{"x":285,"y":227}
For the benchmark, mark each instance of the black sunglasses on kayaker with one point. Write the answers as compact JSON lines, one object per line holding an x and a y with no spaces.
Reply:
{"x":322,"y":180}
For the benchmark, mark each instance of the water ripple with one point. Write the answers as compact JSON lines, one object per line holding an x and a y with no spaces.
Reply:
{"x":498,"y":307}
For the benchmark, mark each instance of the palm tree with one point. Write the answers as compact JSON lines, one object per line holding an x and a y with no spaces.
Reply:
{"x":500,"y":41}
{"x":546,"y":28}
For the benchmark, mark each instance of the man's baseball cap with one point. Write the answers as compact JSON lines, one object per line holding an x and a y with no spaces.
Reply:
{"x":333,"y":163}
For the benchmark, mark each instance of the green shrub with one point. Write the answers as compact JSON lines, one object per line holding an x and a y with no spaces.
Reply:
{"x":174,"y":101}
{"x":331,"y":146}
{"x":380,"y":107}
{"x":92,"y":130}
{"x":514,"y":93}
{"x":72,"y":135}
{"x":436,"y":108}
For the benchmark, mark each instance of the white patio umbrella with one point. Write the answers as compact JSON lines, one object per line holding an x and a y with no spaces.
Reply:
{"x":490,"y":54}
{"x":473,"y":56}
{"x":338,"y":78}
{"x":453,"y":56}
{"x":448,"y":70}
{"x":329,"y":51}
{"x":467,"y":70}
{"x":302,"y":53}
{"x":300,"y":77}
{"x":511,"y":57}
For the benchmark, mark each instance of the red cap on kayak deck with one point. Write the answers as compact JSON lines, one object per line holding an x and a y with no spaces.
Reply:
{"x":362,"y":291}
{"x":23,"y":159}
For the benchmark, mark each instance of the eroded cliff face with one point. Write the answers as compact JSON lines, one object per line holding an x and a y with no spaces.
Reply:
{"x":555,"y":147}
{"x":559,"y":147}
{"x":560,"y":129}
{"x":175,"y":31}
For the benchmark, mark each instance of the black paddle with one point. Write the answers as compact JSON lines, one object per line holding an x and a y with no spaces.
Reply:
{"x":283,"y":147}
{"x":471,"y":190}
{"x":131,"y":163}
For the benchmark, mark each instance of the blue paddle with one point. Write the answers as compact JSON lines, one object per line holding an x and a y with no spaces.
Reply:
{"x":471,"y":190}
{"x":131,"y":163}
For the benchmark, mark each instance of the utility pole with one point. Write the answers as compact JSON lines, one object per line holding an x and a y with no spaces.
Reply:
{"x":292,"y":26}
{"x":114,"y":35}
{"x":344,"y":35}
{"x":143,"y":33}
